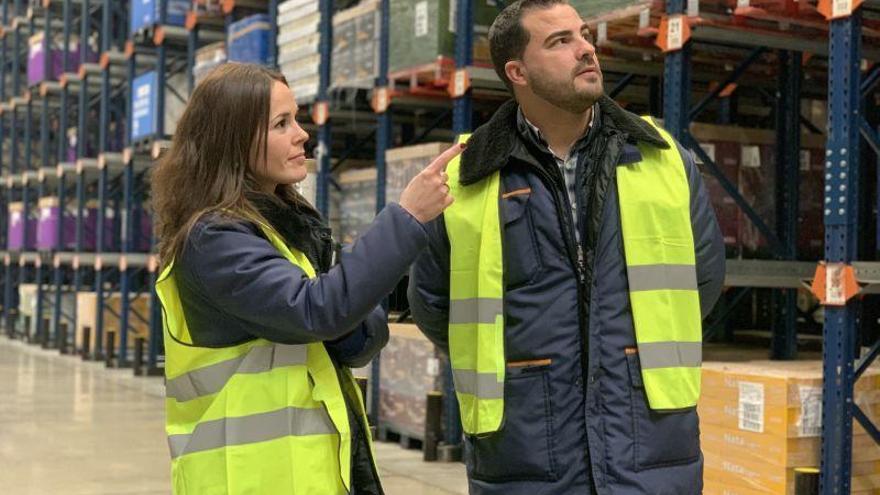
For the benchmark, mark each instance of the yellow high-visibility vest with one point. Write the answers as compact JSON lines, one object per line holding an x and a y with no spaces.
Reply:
{"x":661,"y":269}
{"x":258,"y":417}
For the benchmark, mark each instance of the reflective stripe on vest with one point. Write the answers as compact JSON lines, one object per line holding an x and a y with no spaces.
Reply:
{"x":476,"y":316}
{"x":661,"y":270}
{"x":257,"y":417}
{"x":661,"y":267}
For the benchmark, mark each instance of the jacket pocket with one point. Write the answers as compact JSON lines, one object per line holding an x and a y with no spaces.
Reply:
{"x":660,"y":438}
{"x":522,"y":264}
{"x":523,"y":448}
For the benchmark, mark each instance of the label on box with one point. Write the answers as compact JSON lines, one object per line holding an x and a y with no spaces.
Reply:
{"x":693,"y":8}
{"x":421,"y":19}
{"x":751,"y":156}
{"x":45,"y":213}
{"x":453,"y":17}
{"x":751,"y":407}
{"x":810,"y":422}
{"x":433,"y":367}
{"x":709,"y":148}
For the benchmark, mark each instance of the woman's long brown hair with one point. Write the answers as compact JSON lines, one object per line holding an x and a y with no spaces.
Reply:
{"x":221,"y":133}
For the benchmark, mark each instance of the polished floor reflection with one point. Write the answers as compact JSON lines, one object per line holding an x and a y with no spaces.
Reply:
{"x":75,"y":428}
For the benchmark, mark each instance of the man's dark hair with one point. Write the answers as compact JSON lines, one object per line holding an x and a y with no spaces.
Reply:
{"x":507,"y":36}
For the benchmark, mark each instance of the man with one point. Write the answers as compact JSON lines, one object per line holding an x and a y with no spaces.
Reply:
{"x":570,"y":278}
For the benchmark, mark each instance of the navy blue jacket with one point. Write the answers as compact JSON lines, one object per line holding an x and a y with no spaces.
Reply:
{"x":580,"y":423}
{"x":235,"y":287}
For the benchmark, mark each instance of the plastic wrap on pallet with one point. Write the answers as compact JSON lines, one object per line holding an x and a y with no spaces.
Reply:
{"x":309,"y":187}
{"x":299,"y":41}
{"x":357,"y":203}
{"x":591,"y":8}
{"x":402,"y":164}
{"x":248,"y":39}
{"x":208,"y":58}
{"x":423,"y":30}
{"x":27,"y":306}
{"x":145,"y":13}
{"x":17,"y":227}
{"x":356,"y":46}
{"x":411,"y":368}
{"x":144,"y":104}
{"x":297,"y":6}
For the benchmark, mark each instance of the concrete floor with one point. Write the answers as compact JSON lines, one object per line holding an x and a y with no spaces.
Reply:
{"x":79,"y":429}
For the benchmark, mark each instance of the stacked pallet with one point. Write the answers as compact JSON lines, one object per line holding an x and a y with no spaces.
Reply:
{"x":747,"y":158}
{"x":405,"y":163}
{"x":248,"y":39}
{"x":146,"y":13}
{"x":356,"y":46}
{"x":309,"y":187}
{"x":145,"y":104}
{"x":86,"y":311}
{"x":357,"y":206}
{"x":299,"y":47}
{"x":208,"y":58}
{"x":18,"y":226}
{"x":410,"y":369}
{"x":423,"y":32}
{"x":39,"y":49}
{"x":760,"y":420}
{"x":27,"y":307}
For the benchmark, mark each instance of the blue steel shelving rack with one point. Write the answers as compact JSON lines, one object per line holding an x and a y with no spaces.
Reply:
{"x":846,"y":128}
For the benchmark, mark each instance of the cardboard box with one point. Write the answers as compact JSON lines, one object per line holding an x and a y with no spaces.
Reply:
{"x":411,"y":368}
{"x":760,"y":420}
{"x":86,"y":311}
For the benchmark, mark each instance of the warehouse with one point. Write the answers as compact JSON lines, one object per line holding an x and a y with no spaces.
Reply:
{"x":771,"y":106}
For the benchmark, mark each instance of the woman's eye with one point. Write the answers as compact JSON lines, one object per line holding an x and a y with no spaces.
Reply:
{"x":281,"y":124}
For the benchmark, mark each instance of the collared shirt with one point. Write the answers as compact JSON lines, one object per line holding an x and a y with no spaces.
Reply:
{"x":567,"y":165}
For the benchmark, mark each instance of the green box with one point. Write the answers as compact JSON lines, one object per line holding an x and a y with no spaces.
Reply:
{"x":422,"y":30}
{"x":592,"y":8}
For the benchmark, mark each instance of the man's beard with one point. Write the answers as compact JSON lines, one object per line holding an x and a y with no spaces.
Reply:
{"x":563,"y":94}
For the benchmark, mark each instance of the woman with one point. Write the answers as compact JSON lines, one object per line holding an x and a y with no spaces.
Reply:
{"x":259,"y":329}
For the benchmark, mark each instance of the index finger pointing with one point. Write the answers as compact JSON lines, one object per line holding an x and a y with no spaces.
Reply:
{"x":441,"y":162}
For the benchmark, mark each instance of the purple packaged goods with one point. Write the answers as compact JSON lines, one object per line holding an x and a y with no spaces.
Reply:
{"x":37,"y":53}
{"x":39,"y":49}
{"x":47,"y":226}
{"x":18,"y":225}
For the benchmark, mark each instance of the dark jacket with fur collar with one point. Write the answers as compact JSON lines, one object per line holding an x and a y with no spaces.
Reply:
{"x":579,"y":423}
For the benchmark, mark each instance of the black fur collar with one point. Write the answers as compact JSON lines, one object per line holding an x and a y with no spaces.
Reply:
{"x":491,"y":144}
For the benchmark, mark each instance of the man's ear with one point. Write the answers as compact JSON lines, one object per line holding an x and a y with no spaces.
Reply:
{"x":516,"y":72}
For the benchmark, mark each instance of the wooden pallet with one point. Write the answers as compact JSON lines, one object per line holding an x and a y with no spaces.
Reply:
{"x":387,"y":433}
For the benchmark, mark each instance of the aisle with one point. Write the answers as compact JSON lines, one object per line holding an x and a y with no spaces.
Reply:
{"x":75,"y":428}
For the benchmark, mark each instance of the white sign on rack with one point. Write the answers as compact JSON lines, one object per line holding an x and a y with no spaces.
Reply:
{"x":841,"y":8}
{"x":675,"y":33}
